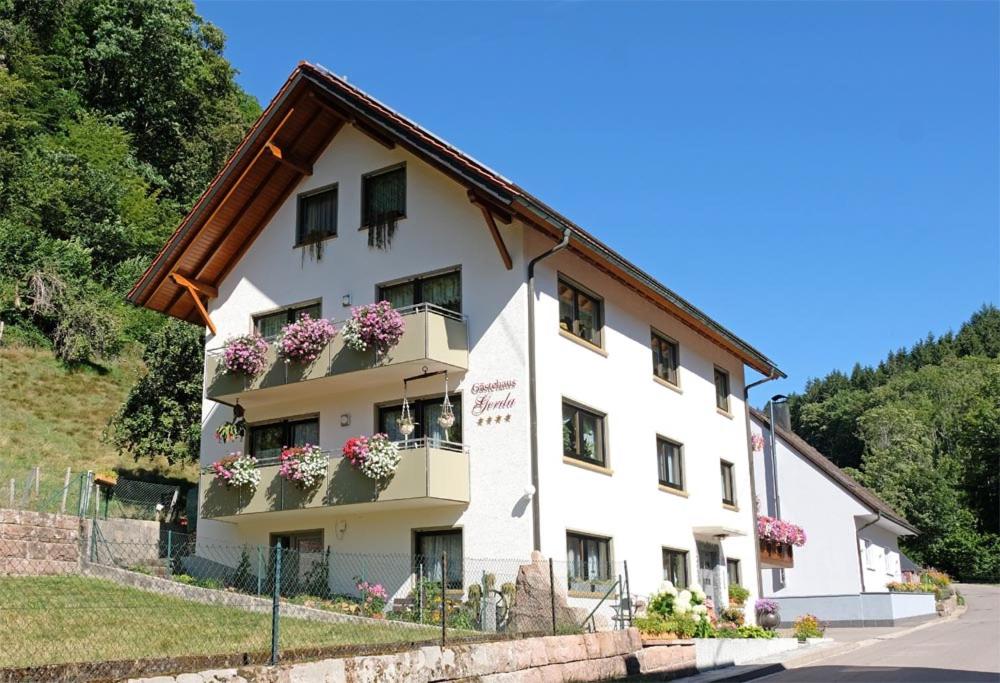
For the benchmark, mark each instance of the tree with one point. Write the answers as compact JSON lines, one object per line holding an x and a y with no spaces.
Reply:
{"x":162,"y":414}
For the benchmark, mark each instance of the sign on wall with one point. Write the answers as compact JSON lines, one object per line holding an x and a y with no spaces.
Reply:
{"x":493,"y":401}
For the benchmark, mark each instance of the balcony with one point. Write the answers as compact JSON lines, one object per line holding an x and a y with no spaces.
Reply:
{"x":435,"y":339}
{"x":430,"y":473}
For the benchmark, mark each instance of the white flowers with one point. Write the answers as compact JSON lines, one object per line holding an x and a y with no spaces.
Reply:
{"x":668,"y":588}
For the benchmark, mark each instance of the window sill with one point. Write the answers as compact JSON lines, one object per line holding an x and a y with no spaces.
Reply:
{"x":582,"y":342}
{"x":668,"y":385}
{"x":594,"y":595}
{"x":368,"y":227}
{"x":301,"y":245}
{"x":677,"y":492}
{"x":724,"y":413}
{"x":734,"y":508}
{"x":600,"y":469}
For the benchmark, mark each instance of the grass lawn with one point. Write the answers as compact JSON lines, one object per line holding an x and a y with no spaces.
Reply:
{"x":54,"y":620}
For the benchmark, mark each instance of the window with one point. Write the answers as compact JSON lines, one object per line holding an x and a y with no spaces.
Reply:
{"x":429,"y":546}
{"x":444,"y":290}
{"x":383,"y":196}
{"x":588,"y":562}
{"x":425,"y":413}
{"x":583,"y":434}
{"x":675,"y":567}
{"x":728,"y":484}
{"x":579,"y":313}
{"x":665,"y":361}
{"x":317,"y":216}
{"x":269,"y":325}
{"x":267,"y":440}
{"x":668,"y":455}
{"x":733,"y":570}
{"x":722,"y":390}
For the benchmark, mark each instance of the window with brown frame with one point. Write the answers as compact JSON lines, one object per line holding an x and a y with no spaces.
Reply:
{"x":269,"y":325}
{"x":441,"y":289}
{"x":733,"y":570}
{"x":588,"y":561}
{"x":580,"y":313}
{"x":583,"y":434}
{"x":670,"y":463}
{"x":316,"y":217}
{"x":665,"y":358}
{"x":675,"y":567}
{"x":728,"y":483}
{"x":722,"y":390}
{"x":383,"y":196}
{"x":431,"y":548}
{"x":265,"y":441}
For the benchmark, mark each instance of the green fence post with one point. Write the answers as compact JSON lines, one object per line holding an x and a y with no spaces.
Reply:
{"x":260,"y":569}
{"x":276,"y":604}
{"x":444,"y":590}
{"x":552,"y":595}
{"x":170,"y":544}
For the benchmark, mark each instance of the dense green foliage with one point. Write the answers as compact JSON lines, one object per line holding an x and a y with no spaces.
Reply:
{"x":923,"y":431}
{"x":114,"y":116}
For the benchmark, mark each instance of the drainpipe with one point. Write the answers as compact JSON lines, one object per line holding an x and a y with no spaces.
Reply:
{"x":777,"y":398}
{"x":532,"y":401}
{"x":753,"y":488}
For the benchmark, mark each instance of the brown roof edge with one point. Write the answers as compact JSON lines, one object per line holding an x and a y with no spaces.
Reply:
{"x":864,"y":495}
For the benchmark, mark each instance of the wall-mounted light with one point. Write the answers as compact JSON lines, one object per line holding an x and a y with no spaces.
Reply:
{"x":345,"y":300}
{"x":341,"y":528}
{"x":529,"y":491}
{"x":345,"y":420}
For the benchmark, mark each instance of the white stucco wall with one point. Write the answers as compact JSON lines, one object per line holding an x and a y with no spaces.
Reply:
{"x":828,"y":563}
{"x":442,"y":229}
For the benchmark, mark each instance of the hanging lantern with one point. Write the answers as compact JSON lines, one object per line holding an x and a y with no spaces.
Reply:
{"x":405,"y":422}
{"x":447,"y":418}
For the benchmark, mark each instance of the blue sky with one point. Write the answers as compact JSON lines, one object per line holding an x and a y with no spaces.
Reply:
{"x":822,"y":178}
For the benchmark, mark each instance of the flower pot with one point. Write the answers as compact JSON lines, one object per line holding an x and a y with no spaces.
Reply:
{"x":768,"y":620}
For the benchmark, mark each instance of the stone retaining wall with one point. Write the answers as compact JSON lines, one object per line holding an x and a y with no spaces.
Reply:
{"x":38,"y":543}
{"x":608,"y":655}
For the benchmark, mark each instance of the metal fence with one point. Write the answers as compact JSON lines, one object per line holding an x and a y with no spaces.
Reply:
{"x":139,"y":609}
{"x":88,"y":495}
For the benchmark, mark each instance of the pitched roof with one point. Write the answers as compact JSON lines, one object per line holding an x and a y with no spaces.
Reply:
{"x":863,"y":495}
{"x":308,"y":111}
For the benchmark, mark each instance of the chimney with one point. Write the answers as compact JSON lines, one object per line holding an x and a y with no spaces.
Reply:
{"x":782,"y":416}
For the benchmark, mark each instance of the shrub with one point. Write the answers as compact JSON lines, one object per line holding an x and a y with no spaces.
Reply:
{"x":936,"y":577}
{"x":749,"y":631}
{"x":808,"y":626}
{"x":738,"y":594}
{"x":681,"y":625}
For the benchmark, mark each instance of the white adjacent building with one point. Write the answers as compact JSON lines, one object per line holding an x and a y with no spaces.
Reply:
{"x":852,"y":548}
{"x":601,"y":418}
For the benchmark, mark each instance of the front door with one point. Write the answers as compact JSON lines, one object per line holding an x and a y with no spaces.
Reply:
{"x":708,"y":571}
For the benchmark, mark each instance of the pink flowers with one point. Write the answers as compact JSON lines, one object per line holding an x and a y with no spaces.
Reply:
{"x":374,"y":456}
{"x":377,"y":326}
{"x":237,"y":470}
{"x":303,"y":340}
{"x":246,"y":355}
{"x":302,"y":465}
{"x":757,"y":442}
{"x":779,"y":531}
{"x":356,"y":450}
{"x":373,"y":597}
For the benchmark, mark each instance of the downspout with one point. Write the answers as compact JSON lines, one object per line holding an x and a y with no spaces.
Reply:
{"x":753,"y":489}
{"x":532,"y":401}
{"x":861,"y":563}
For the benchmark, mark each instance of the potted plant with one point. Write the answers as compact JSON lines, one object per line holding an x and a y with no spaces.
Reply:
{"x":304,"y":466}
{"x":378,"y":326}
{"x":767,"y":613}
{"x":738,"y":595}
{"x":374,"y":456}
{"x":808,"y":626}
{"x":245,"y":355}
{"x":237,"y":470}
{"x":303,"y":340}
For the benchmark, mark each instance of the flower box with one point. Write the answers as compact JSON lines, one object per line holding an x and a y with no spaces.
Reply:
{"x":775,"y":555}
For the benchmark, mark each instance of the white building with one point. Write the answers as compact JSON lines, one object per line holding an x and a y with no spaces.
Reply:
{"x":640,"y":453}
{"x":852,"y":550}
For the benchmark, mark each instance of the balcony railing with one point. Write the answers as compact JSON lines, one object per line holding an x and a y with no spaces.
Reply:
{"x":430,"y":472}
{"x":435,"y":337}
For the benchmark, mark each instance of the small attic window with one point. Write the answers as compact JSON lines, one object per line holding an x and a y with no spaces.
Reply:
{"x":383,"y":203}
{"x":317,"y":216}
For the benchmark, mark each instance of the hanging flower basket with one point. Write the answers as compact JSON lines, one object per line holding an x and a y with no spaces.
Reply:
{"x":245,"y":355}
{"x":375,"y":456}
{"x":303,"y":340}
{"x":378,"y":326}
{"x":304,"y":466}
{"x":237,"y":470}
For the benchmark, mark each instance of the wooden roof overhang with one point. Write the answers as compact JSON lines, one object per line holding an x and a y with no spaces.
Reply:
{"x":296,"y":127}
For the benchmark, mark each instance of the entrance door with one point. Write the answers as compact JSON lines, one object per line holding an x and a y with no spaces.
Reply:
{"x":708,"y":571}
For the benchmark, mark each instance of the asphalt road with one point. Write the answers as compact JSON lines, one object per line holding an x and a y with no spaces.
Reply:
{"x":966,"y":649}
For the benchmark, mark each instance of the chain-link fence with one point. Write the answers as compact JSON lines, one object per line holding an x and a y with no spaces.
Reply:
{"x":138,"y":608}
{"x":88,"y":495}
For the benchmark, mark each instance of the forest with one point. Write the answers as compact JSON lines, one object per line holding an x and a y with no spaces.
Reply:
{"x":116,"y":114}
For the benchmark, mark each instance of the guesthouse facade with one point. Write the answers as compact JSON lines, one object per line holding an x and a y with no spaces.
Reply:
{"x":561,"y":400}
